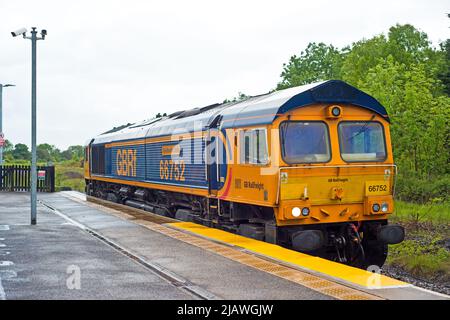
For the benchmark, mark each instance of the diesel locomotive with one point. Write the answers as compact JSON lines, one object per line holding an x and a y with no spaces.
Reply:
{"x":309,"y":168}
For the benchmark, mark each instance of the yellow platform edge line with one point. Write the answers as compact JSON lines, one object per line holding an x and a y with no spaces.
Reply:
{"x":335,"y":270}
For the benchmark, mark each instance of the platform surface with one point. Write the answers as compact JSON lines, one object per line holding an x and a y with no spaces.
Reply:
{"x":115,"y":253}
{"x":336,"y":270}
{"x":34,"y":260}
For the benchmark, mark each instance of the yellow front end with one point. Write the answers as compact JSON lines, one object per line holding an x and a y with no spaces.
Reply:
{"x":335,"y":194}
{"x":339,"y":183}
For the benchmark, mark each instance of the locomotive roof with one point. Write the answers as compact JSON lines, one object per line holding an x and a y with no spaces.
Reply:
{"x":257,"y":110}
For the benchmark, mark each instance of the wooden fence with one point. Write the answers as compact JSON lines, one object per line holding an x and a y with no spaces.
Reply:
{"x":17,"y":178}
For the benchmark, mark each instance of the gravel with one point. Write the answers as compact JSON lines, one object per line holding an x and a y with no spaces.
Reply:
{"x":401,"y":274}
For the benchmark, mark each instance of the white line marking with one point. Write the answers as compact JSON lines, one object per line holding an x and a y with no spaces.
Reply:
{"x":75,"y":223}
{"x":2,"y":291}
{"x":432,"y":292}
{"x":2,"y":245}
{"x":4,"y":253}
{"x":8,"y":274}
{"x":4,"y":227}
{"x":6,"y":263}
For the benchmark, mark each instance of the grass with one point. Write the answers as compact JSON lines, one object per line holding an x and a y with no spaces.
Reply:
{"x":69,"y":175}
{"x":424,"y":252}
{"x":434,"y":213}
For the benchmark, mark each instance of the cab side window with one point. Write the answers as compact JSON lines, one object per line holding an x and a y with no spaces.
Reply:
{"x":253,"y":146}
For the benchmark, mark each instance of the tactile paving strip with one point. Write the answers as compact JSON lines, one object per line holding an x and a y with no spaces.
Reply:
{"x":313,"y":282}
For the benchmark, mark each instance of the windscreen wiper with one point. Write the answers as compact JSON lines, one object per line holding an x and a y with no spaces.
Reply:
{"x":364,"y":127}
{"x":284,"y":137}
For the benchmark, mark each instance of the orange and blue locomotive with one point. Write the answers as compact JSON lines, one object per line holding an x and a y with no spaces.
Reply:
{"x":309,"y":168}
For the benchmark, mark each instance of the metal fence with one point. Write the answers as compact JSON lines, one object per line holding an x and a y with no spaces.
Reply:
{"x":17,"y":178}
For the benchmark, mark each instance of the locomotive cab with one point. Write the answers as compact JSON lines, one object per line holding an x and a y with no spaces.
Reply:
{"x":336,"y":183}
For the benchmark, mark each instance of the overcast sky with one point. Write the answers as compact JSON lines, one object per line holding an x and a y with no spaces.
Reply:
{"x":106,"y":63}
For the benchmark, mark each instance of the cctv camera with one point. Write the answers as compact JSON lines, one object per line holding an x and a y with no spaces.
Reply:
{"x":19,"y":32}
{"x":44,"y":32}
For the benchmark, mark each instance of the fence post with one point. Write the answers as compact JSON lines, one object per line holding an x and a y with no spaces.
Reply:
{"x":52,"y":179}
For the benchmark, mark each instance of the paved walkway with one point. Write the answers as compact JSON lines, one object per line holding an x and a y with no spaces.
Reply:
{"x":42,"y":262}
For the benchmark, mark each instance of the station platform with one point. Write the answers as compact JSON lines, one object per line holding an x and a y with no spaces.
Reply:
{"x":121,"y":255}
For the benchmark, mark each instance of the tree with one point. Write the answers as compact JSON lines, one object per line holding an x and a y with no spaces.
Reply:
{"x":411,"y":79}
{"x":318,"y":62}
{"x":408,"y":45}
{"x":8,"y":147}
{"x":363,"y":55}
{"x":444,"y":73}
{"x":21,"y":152}
{"x":44,"y":152}
{"x":73,"y":153}
{"x":404,"y":43}
{"x":416,"y":115}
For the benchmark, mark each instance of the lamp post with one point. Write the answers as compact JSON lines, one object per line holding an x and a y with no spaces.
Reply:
{"x":1,"y":117}
{"x":33,"y":39}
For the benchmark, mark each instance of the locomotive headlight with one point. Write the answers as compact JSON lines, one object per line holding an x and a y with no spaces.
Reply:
{"x":384,"y":207}
{"x":305,"y":211}
{"x":336,"y":111}
{"x":376,"y":207}
{"x":296,"y":212}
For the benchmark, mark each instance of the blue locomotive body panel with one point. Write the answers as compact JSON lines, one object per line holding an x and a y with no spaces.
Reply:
{"x":127,"y":162}
{"x":181,"y":163}
{"x":177,"y":163}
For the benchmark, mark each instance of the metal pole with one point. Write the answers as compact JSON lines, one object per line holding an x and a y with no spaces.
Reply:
{"x":33,"y":39}
{"x":33,"y":128}
{"x":1,"y":121}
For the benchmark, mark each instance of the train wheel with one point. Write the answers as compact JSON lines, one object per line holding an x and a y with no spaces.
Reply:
{"x":376,"y":255}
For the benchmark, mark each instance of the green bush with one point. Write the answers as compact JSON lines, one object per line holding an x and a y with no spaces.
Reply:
{"x":69,"y":176}
{"x":412,"y":189}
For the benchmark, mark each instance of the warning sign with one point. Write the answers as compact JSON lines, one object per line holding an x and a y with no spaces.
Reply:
{"x":41,"y":175}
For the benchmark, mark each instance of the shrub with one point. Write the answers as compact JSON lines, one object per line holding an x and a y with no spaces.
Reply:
{"x":413,"y":189}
